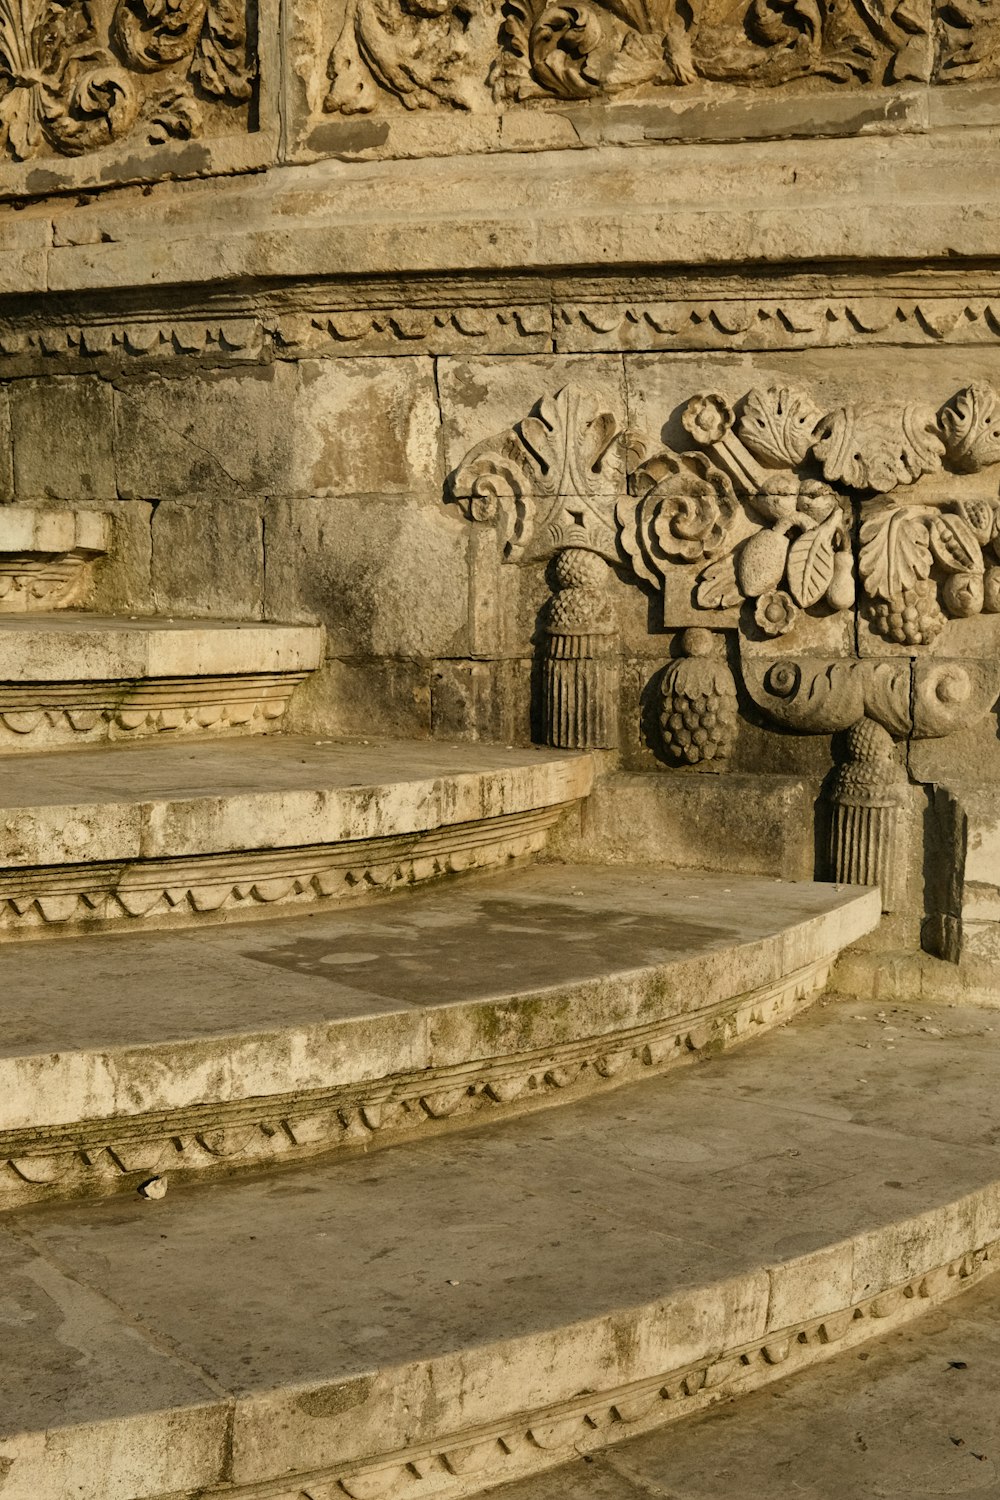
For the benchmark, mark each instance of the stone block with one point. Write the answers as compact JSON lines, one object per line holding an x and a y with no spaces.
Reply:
{"x":751,"y":824}
{"x":214,"y":432}
{"x":208,"y":558}
{"x":358,"y":699}
{"x":122,"y":581}
{"x":483,"y":700}
{"x":61,"y":435}
{"x":388,"y":576}
{"x":365,"y":427}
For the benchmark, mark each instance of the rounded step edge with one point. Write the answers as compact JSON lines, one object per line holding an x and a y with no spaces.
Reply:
{"x":462,"y":1419}
{"x":91,"y":680}
{"x":93,"y":1123}
{"x":271,"y":840}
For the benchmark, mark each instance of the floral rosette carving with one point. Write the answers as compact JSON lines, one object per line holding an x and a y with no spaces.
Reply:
{"x":685,"y":511}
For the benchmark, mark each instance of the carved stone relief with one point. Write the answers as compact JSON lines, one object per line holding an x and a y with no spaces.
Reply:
{"x":418,"y":52}
{"x":75,"y":77}
{"x":852,"y":555}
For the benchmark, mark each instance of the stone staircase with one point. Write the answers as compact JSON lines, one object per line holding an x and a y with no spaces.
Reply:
{"x":230,"y":947}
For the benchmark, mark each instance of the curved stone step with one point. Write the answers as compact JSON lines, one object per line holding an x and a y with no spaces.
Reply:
{"x":126,"y":1056}
{"x":78,"y":679}
{"x":916,"y":1416}
{"x":453,"y":1315}
{"x":161,"y":835}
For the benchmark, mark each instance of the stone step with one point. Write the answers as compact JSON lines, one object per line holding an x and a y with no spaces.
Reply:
{"x":77,"y":679}
{"x":127,"y":1056}
{"x":166,"y":834}
{"x":915,"y":1415}
{"x":458,"y":1313}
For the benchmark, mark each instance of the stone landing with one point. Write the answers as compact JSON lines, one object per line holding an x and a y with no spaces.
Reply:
{"x":127,"y":1057}
{"x":457,"y":1314}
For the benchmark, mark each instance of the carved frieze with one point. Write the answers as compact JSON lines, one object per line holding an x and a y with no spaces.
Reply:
{"x":842,"y":548}
{"x":418,"y":52}
{"x":76,"y":76}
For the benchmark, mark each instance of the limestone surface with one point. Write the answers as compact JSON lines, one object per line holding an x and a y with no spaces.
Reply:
{"x":914,"y":1414}
{"x":458,"y":1005}
{"x":457,"y":1313}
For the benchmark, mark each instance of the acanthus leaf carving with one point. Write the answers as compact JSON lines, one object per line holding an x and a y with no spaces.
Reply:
{"x":970,"y":425}
{"x":777,"y":425}
{"x":63,"y":87}
{"x":60,"y":86}
{"x":410,"y":49}
{"x":551,"y":480}
{"x":879,"y":447}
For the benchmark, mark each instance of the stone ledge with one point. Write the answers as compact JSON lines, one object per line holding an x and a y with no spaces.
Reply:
{"x":674,"y":1298}
{"x":931,"y":201}
{"x":76,"y":679}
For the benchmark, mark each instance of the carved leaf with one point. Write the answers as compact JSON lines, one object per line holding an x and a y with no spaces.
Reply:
{"x":810,"y":564}
{"x":955,"y":545}
{"x":971,"y":426}
{"x":777,"y":425}
{"x":717,"y":587}
{"x":895,"y":552}
{"x":878,"y":447}
{"x":570,"y":439}
{"x":220,"y":64}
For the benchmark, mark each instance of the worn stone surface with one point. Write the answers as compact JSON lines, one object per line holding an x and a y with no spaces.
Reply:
{"x":361,"y":1027}
{"x":915,"y":1412}
{"x":851,"y":1190}
{"x":388,"y":575}
{"x":80,"y":465}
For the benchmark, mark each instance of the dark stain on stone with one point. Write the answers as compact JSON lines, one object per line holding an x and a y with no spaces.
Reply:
{"x":40,"y":181}
{"x":342,"y":136}
{"x":193,"y":158}
{"x":334,"y":1400}
{"x":497,"y":942}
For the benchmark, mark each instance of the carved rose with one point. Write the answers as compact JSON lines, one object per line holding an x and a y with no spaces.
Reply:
{"x":878,"y":447}
{"x":686,"y":508}
{"x":776,"y":612}
{"x":707,"y":418}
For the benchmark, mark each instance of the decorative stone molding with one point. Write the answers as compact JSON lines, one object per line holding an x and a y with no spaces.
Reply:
{"x":172,"y":892}
{"x":99,"y":1159}
{"x":46,"y":556}
{"x":76,"y":78}
{"x":839,"y":546}
{"x":464,"y":319}
{"x":428,"y":54}
{"x":39,"y":715}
